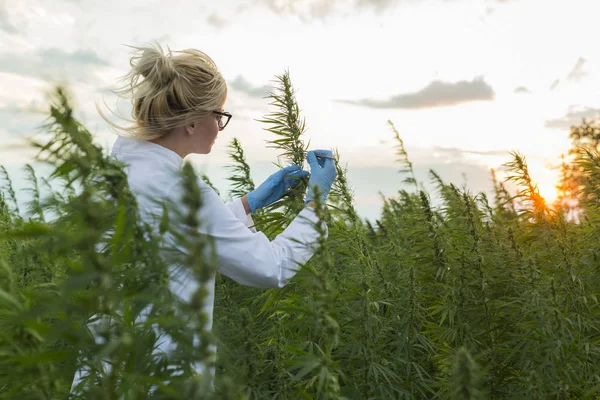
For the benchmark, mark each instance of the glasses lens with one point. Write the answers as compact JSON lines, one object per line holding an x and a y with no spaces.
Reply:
{"x":219,"y":119}
{"x":224,"y":120}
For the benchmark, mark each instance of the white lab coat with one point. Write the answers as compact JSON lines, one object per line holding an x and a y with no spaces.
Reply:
{"x":243,"y":254}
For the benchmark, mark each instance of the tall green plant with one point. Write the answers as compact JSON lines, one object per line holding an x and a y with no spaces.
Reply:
{"x":288,"y":127}
{"x":240,"y":178}
{"x":407,"y":166}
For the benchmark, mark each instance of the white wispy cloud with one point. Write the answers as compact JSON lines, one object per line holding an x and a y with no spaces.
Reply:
{"x":6,"y":24}
{"x":577,"y":73}
{"x":217,"y":21}
{"x":308,"y":10}
{"x":522,"y":89}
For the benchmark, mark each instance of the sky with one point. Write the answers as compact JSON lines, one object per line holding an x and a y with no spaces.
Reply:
{"x":464,"y":81}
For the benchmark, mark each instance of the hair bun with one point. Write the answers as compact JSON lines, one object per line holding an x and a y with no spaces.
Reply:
{"x":154,"y":66}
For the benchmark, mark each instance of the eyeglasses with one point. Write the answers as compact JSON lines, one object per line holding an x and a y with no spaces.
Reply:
{"x":221,"y":115}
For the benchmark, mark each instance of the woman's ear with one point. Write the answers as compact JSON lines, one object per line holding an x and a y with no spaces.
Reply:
{"x":190,"y":128}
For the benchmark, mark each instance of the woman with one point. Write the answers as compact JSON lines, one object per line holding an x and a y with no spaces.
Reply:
{"x":178,"y":109}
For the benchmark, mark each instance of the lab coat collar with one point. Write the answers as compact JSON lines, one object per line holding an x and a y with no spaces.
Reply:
{"x":131,"y":145}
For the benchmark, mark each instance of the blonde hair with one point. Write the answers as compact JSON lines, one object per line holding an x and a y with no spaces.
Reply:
{"x":169,"y":90}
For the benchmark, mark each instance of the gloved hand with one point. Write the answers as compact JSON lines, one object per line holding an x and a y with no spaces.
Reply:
{"x":275,"y":187}
{"x":322,"y":173}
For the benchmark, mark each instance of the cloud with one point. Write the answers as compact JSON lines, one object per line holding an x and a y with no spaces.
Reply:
{"x":522,"y":89}
{"x":5,"y":24}
{"x":320,"y":9}
{"x":18,"y":125}
{"x":459,"y":153}
{"x":21,"y":121}
{"x":78,"y":57}
{"x":378,"y":5}
{"x":244,"y":86}
{"x":436,"y":94}
{"x":215,"y":20}
{"x":53,"y":64}
{"x":305,"y":9}
{"x":573,"y":117}
{"x":577,"y":72}
{"x":575,"y":75}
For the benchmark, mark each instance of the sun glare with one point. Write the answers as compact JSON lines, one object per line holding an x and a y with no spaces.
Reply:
{"x":548,"y":192}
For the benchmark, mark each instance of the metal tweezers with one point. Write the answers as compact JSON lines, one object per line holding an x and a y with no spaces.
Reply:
{"x":320,"y":156}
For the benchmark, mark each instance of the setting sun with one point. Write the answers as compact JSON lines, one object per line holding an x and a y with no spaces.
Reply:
{"x":548,"y":192}
{"x":546,"y":177}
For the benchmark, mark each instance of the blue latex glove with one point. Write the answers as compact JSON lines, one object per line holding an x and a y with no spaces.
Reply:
{"x":275,"y":187}
{"x":322,"y":173}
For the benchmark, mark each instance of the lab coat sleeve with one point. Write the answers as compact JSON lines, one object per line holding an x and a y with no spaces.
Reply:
{"x":250,"y":258}
{"x":237,"y":208}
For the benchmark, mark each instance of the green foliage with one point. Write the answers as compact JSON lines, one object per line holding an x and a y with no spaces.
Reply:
{"x":241,"y":181}
{"x":11,"y":192}
{"x":97,"y":266}
{"x":206,"y":180}
{"x":459,"y":299}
